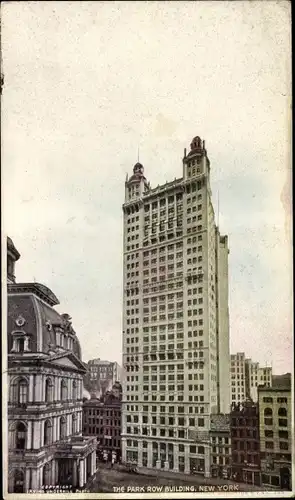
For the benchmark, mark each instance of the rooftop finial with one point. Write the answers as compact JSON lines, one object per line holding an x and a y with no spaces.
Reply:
{"x":138,"y":154}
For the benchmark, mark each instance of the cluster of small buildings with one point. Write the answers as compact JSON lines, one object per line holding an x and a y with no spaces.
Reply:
{"x":246,"y":377}
{"x":253,"y":443}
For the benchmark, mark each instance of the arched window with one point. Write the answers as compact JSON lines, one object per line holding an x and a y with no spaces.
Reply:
{"x":19,"y":481}
{"x":75,"y":390}
{"x":20,"y":436}
{"x":47,"y":432}
{"x":22,"y":391}
{"x":48,"y":390}
{"x":64,"y":390}
{"x":282,"y":412}
{"x":63,"y":427}
{"x":268,"y":412}
{"x":46,"y":475}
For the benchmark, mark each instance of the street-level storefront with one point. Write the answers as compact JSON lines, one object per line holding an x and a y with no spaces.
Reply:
{"x":251,"y":476}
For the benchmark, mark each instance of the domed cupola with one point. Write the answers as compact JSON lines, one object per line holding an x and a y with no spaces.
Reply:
{"x":138,"y":168}
{"x":197,"y":146}
{"x":137,"y":184}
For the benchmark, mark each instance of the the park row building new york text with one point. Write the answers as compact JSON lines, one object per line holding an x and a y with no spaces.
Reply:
{"x":175,"y":318}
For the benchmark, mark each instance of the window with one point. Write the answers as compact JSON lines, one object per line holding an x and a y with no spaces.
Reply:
{"x":47,"y":432}
{"x":283,"y":422}
{"x":75,"y":392}
{"x":21,"y":433}
{"x":282,"y":412}
{"x":62,"y":428}
{"x":284,"y":445}
{"x":64,"y":391}
{"x":268,"y":434}
{"x":48,"y":390}
{"x":269,"y":445}
{"x":74,"y":424}
{"x":20,"y":345}
{"x":283,"y":434}
{"x":23,"y":392}
{"x":268,"y":412}
{"x":46,"y":475}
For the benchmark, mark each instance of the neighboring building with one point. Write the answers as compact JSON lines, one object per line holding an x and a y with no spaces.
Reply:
{"x":175,"y":318}
{"x":246,"y":376}
{"x":275,"y":408}
{"x":220,"y":441}
{"x":101,"y":376}
{"x":256,"y":376}
{"x":45,"y":377}
{"x":102,"y":418}
{"x":245,"y":442}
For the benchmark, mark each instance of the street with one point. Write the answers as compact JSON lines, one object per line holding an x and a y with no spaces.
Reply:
{"x":108,"y":480}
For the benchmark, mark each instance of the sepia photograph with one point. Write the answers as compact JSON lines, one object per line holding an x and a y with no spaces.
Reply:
{"x":147,"y":272}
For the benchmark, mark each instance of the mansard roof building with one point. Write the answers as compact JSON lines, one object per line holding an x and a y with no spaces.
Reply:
{"x":45,"y":391}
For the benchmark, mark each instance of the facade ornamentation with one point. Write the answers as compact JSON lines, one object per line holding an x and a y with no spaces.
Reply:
{"x":45,"y":393}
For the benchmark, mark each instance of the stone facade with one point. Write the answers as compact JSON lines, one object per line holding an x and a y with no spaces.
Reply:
{"x":275,"y":420}
{"x":175,"y":318}
{"x":45,"y":383}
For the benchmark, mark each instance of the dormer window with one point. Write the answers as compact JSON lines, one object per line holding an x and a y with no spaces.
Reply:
{"x":20,"y":341}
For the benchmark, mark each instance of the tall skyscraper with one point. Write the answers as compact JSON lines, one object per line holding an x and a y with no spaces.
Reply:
{"x":175,"y":318}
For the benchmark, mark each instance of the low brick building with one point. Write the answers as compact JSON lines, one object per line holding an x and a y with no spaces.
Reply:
{"x":102,"y":419}
{"x":244,"y":422}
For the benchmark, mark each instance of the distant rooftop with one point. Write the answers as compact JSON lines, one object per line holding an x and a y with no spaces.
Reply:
{"x":281,"y":381}
{"x":220,"y":423}
{"x":99,"y":361}
{"x":42,"y":291}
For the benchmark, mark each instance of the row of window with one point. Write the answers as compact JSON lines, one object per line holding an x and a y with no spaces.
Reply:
{"x":155,"y":431}
{"x":181,"y":421}
{"x":283,"y":445}
{"x":102,"y":412}
{"x":162,"y":202}
{"x":245,"y":445}
{"x":20,"y":432}
{"x":171,"y":387}
{"x":19,"y":391}
{"x":282,"y":412}
{"x":271,"y":400}
{"x":172,"y":376}
{"x":162,"y":398}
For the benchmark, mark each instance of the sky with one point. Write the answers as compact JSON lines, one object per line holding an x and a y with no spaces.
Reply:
{"x":87,"y":84}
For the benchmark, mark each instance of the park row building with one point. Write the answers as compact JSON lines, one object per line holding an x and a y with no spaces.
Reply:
{"x":175,"y":318}
{"x":45,"y":383}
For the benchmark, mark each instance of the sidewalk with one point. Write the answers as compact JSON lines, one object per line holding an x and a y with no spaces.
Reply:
{"x":196,"y":478}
